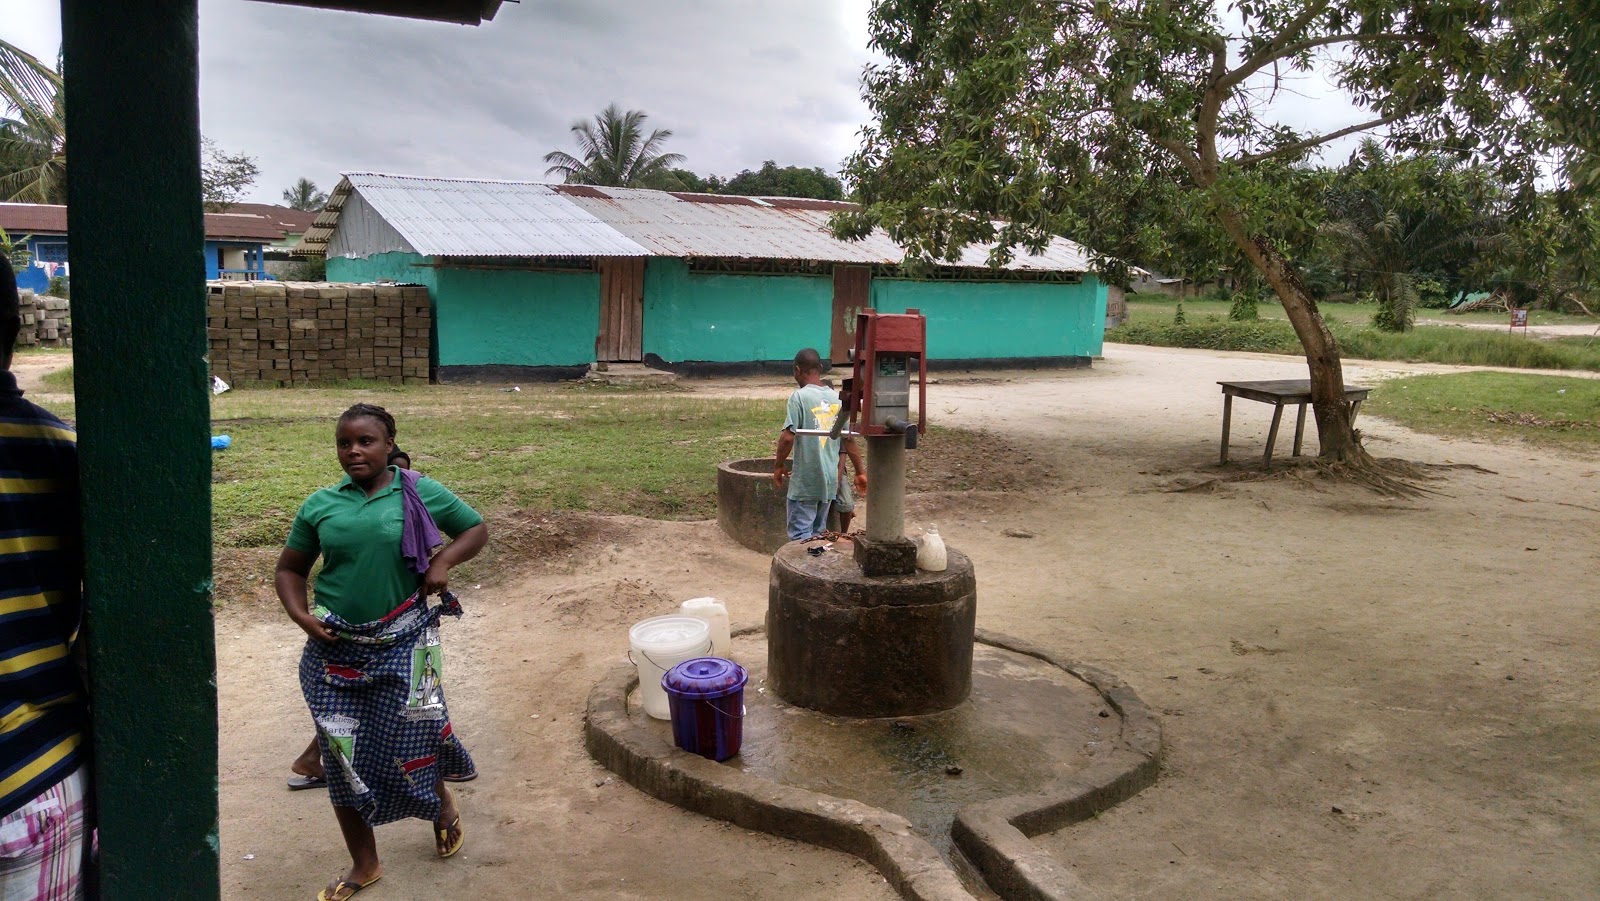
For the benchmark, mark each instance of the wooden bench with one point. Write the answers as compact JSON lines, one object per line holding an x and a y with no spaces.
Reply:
{"x":1279,"y":393}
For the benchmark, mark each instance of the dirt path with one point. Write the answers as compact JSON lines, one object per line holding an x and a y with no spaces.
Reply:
{"x":1363,"y":698}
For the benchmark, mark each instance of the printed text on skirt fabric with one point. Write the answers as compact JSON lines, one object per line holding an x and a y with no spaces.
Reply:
{"x":377,"y":697}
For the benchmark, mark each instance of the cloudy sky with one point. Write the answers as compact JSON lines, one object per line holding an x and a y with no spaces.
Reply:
{"x":313,"y":93}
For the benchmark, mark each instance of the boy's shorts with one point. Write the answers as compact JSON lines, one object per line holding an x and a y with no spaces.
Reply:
{"x":845,"y":500}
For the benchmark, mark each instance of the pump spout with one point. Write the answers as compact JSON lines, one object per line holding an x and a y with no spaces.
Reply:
{"x":903,"y":427}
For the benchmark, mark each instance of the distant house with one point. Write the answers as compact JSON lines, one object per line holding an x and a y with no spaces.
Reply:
{"x":291,"y":222}
{"x":234,"y":243}
{"x":530,"y":279}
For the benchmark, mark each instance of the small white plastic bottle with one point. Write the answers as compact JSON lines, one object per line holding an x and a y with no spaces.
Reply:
{"x":930,"y":551}
{"x":715,"y":613}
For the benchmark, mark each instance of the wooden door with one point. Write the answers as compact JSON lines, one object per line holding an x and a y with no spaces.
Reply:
{"x":852,"y":293}
{"x":621,"y":337}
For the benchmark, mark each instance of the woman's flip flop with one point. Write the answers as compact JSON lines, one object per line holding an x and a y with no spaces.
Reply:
{"x":441,"y":838}
{"x":298,"y":782}
{"x":344,"y":890}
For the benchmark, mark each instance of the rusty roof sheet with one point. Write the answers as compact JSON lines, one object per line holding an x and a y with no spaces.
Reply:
{"x":465,"y":217}
{"x":20,"y":219}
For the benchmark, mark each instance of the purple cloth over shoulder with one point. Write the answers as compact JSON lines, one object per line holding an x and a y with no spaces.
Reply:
{"x":419,"y":534}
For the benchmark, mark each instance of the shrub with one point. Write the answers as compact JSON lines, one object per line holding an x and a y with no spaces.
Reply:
{"x":1244,"y":307}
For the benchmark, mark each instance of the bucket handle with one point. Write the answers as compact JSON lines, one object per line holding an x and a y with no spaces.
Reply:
{"x":709,"y":646}
{"x":743,"y":710}
{"x":732,"y":716}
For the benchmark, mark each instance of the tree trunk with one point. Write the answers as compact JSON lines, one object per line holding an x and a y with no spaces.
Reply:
{"x":1335,"y":430}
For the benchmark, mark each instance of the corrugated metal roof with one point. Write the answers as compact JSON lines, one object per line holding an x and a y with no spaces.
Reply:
{"x":20,"y":219}
{"x":460,"y":217}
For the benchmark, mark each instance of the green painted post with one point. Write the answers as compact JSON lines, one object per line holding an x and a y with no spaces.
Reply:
{"x":137,"y":241}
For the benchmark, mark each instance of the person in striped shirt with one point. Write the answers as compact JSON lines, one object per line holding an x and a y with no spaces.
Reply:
{"x":43,"y":707}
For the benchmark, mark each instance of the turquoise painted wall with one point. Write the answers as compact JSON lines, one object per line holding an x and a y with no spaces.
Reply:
{"x":732,"y":318}
{"x":512,"y":318}
{"x":985,"y":320}
{"x":396,"y":266}
{"x":495,"y":317}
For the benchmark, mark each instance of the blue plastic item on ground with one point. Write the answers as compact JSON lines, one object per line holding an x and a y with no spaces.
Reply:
{"x":220,"y":442}
{"x":706,"y":697}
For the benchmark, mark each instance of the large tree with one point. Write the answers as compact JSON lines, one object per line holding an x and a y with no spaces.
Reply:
{"x":615,"y":151}
{"x":772,"y":180}
{"x":1052,"y":117}
{"x":303,"y":195}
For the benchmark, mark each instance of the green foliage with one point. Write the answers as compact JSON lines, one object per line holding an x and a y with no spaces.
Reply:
{"x":1006,"y":122}
{"x":684,"y":180}
{"x":1244,"y":307}
{"x":788,"y":181}
{"x":1423,"y":344}
{"x":1264,"y":336}
{"x":1554,"y":411}
{"x":224,"y":177}
{"x":33,"y":153}
{"x":1178,"y":318}
{"x":615,"y":151}
{"x":15,"y":251}
{"x":770,"y":180}
{"x":311,"y":269}
{"x":1393,"y":218}
{"x":303,"y":195}
{"x":1431,"y":293}
{"x":59,"y":287}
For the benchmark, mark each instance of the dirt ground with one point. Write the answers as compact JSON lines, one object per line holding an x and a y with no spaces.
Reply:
{"x":1362,"y":697}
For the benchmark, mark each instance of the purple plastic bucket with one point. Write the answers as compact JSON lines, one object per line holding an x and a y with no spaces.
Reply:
{"x":706,"y":698}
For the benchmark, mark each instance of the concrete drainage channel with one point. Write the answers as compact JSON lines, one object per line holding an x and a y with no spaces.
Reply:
{"x":988,"y":841}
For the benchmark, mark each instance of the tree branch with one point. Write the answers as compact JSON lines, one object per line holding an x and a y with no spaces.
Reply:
{"x":1253,"y":65}
{"x":1185,"y":155}
{"x":1308,"y":143}
{"x":1273,"y":49}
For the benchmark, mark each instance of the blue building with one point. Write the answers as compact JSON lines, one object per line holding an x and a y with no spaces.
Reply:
{"x":235,"y":243}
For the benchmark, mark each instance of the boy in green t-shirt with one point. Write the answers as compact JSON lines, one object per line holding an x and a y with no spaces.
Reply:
{"x":814,"y":481}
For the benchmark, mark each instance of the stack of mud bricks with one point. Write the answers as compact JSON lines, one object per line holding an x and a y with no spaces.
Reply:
{"x":46,"y":320}
{"x":300,"y":333}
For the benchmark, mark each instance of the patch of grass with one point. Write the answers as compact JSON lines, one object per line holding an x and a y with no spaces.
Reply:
{"x":59,"y":380}
{"x":1468,"y":347}
{"x":1548,"y":410}
{"x":40,"y":350}
{"x":648,"y":454}
{"x":1161,"y":307}
{"x":1263,"y":336}
{"x":1423,"y":344}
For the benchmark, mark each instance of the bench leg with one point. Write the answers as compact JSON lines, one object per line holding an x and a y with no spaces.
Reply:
{"x":1272,"y":433}
{"x":1299,"y":429}
{"x":1355,"y":407}
{"x":1227,"y":420}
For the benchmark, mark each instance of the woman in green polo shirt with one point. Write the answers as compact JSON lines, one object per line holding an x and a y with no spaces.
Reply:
{"x":374,"y":639}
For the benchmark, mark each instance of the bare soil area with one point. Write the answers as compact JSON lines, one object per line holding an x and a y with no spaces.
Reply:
{"x":1362,"y":697}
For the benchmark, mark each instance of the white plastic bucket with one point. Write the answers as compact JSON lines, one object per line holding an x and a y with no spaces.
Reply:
{"x":660,"y":643}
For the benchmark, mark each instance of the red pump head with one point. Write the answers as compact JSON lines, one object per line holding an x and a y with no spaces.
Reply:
{"x":890,"y":347}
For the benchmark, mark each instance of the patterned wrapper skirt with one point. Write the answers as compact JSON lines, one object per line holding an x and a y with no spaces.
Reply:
{"x":377,"y":696}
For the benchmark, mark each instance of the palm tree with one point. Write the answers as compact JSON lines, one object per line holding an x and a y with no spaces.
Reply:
{"x":33,"y":129}
{"x":305,"y":196}
{"x":615,"y":152}
{"x":1398,"y":219}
